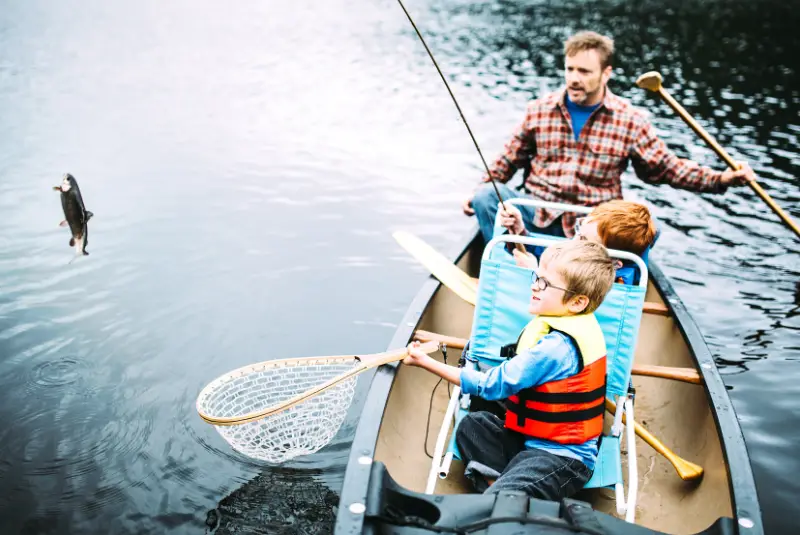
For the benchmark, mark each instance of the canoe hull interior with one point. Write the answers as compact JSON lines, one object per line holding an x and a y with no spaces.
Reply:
{"x":399,"y":511}
{"x":680,"y":414}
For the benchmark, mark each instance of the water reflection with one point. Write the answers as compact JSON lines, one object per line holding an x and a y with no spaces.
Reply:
{"x":246,"y":166}
{"x":279,"y":502}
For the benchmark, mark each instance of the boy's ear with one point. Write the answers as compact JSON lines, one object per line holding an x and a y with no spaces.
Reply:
{"x":577,"y":304}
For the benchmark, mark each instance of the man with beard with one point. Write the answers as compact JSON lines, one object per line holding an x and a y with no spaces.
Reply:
{"x":575,"y":143}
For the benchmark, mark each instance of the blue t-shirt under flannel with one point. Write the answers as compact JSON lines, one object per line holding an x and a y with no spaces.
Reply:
{"x":579,"y":115}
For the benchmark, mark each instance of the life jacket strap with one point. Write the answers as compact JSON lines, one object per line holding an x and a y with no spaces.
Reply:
{"x":510,"y":350}
{"x":568,"y":397}
{"x":526,"y":413}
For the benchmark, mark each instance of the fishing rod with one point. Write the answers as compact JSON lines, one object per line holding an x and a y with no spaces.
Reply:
{"x":474,"y":141}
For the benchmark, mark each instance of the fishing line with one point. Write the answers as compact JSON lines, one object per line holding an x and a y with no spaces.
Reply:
{"x":474,"y":141}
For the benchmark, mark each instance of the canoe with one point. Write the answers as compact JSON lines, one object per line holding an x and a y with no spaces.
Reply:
{"x":388,"y":467}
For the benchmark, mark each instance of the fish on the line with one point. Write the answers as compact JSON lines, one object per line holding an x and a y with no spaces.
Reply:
{"x":76,"y":214}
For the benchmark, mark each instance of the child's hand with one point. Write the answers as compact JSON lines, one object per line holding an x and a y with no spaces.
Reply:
{"x":415,"y":355}
{"x":511,"y":218}
{"x":525,"y":260}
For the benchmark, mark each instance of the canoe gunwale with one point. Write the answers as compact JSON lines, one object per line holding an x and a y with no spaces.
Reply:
{"x":357,"y":474}
{"x":734,"y":450}
{"x":740,"y":476}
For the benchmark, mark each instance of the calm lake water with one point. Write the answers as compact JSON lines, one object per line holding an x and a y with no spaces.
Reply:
{"x":246,"y":164}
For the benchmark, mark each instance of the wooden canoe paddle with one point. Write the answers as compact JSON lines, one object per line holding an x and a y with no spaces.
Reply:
{"x":688,"y":471}
{"x":457,"y":280}
{"x":651,"y":81}
{"x":686,"y":375}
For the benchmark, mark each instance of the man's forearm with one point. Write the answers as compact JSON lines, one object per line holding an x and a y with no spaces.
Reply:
{"x":689,"y":175}
{"x":655,"y":163}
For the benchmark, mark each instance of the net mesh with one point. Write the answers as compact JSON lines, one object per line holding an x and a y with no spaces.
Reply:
{"x":299,"y":430}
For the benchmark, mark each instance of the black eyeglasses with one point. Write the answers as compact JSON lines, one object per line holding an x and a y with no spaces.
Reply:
{"x":543,"y":284}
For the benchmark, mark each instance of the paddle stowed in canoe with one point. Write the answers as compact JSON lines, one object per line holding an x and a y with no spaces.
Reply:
{"x":457,"y":280}
{"x":388,"y":466}
{"x":687,"y":375}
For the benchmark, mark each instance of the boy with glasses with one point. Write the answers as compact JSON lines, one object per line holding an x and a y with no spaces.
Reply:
{"x":554,"y":384}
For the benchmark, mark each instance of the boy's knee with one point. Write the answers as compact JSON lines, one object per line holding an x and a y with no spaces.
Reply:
{"x":466,"y":425}
{"x":470,"y":430}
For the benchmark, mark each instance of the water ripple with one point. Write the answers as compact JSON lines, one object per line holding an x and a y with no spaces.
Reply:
{"x":56,"y":373}
{"x":250,"y":213}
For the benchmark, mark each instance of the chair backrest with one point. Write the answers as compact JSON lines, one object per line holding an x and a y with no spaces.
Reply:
{"x":501,"y":311}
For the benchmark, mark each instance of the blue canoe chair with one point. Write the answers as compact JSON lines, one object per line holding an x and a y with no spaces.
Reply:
{"x":501,"y":312}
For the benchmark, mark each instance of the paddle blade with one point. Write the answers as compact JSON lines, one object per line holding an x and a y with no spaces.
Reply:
{"x":687,"y":471}
{"x":439,"y":265}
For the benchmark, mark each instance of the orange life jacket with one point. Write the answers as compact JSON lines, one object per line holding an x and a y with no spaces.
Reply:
{"x":570,"y":410}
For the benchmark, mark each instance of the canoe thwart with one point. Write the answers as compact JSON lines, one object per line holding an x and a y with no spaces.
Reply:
{"x":655,"y":308}
{"x":450,"y":341}
{"x":686,"y":375}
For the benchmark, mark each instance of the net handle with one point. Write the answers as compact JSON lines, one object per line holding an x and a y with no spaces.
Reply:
{"x":366,"y":362}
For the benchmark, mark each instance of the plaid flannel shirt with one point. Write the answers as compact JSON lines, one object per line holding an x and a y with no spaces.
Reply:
{"x":588,"y":171}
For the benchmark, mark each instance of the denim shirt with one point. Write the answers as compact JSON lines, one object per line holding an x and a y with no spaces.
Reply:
{"x":554,"y":357}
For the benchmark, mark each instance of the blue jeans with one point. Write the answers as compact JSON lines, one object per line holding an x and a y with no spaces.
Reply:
{"x":490,"y":451}
{"x":485,"y":205}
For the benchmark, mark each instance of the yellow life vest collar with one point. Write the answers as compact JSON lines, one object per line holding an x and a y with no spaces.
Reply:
{"x":584,"y":330}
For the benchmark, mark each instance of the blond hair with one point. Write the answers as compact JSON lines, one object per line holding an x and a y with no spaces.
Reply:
{"x":585,"y":267}
{"x":591,"y":41}
{"x":624,"y":225}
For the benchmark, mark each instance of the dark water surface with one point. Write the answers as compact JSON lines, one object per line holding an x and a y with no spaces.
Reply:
{"x":247,"y":164}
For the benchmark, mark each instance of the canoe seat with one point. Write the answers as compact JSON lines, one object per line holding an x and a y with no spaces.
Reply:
{"x":501,"y":312}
